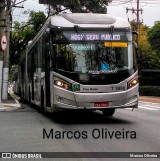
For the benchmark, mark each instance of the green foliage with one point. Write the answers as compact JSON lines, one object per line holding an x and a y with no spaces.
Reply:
{"x":149,"y":58}
{"x":23,"y":33}
{"x":83,"y":6}
{"x":37,"y":19}
{"x":94,"y":6}
{"x":149,"y":90}
{"x":154,"y":37}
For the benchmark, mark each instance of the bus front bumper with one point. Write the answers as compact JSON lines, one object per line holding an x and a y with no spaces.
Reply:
{"x":69,"y":100}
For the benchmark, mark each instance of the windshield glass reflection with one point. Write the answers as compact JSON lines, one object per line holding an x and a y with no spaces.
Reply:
{"x":93,"y":57}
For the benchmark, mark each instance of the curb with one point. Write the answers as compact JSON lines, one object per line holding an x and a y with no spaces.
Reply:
{"x":10,"y":107}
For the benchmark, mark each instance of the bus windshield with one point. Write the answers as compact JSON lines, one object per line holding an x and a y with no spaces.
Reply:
{"x":90,"y":54}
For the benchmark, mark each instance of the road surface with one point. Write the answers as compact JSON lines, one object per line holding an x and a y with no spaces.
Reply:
{"x":26,"y":130}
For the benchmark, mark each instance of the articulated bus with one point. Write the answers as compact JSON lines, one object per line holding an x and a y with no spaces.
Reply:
{"x":81,"y":61}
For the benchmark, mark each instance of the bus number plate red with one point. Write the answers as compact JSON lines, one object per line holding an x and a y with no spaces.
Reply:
{"x":101,"y":104}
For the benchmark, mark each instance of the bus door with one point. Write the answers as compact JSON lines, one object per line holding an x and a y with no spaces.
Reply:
{"x":46,"y":61}
{"x":36,"y":76}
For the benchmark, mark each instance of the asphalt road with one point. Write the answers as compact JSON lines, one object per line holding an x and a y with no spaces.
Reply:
{"x":22,"y":130}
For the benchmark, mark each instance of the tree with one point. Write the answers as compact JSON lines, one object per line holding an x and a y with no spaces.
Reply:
{"x":36,"y":20}
{"x":148,"y":52}
{"x":81,"y":6}
{"x":143,"y":38}
{"x":19,"y":40}
{"x":149,"y":59}
{"x":154,"y":37}
{"x":94,"y":6}
{"x":149,"y":56}
{"x":23,"y":33}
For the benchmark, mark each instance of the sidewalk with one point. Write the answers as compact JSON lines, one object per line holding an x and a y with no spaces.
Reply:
{"x":10,"y":104}
{"x":149,"y":99}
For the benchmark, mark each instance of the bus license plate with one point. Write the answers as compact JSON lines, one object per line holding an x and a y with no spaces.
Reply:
{"x":101,"y":104}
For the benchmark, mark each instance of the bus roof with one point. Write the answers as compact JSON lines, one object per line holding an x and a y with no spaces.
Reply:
{"x":88,"y":20}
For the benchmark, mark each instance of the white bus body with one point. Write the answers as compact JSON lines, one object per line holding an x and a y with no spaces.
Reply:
{"x":81,"y":61}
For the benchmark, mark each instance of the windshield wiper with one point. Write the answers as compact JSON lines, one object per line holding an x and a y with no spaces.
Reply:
{"x":83,"y":40}
{"x":79,"y":32}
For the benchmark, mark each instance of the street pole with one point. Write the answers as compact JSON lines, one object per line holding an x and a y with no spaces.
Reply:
{"x":2,"y":26}
{"x":7,"y":16}
{"x":138,"y":22}
{"x":6,"y":53}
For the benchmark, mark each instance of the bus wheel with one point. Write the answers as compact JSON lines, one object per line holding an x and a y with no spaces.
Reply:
{"x":108,"y":112}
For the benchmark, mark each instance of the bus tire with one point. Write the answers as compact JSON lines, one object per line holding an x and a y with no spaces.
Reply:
{"x":108,"y":112}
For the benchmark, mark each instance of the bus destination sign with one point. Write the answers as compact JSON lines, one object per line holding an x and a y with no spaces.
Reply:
{"x":89,"y":37}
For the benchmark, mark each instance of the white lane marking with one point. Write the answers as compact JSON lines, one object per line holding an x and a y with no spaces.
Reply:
{"x":149,"y":103}
{"x":150,"y":106}
{"x":144,"y":107}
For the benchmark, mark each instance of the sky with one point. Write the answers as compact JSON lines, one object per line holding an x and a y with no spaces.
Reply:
{"x":151,"y":10}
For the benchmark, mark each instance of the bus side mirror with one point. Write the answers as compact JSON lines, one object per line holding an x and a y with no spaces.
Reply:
{"x":135,"y":36}
{"x":135,"y":33}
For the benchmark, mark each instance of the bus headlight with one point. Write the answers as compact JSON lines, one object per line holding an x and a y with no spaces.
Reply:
{"x":133,"y":82}
{"x":62,"y":84}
